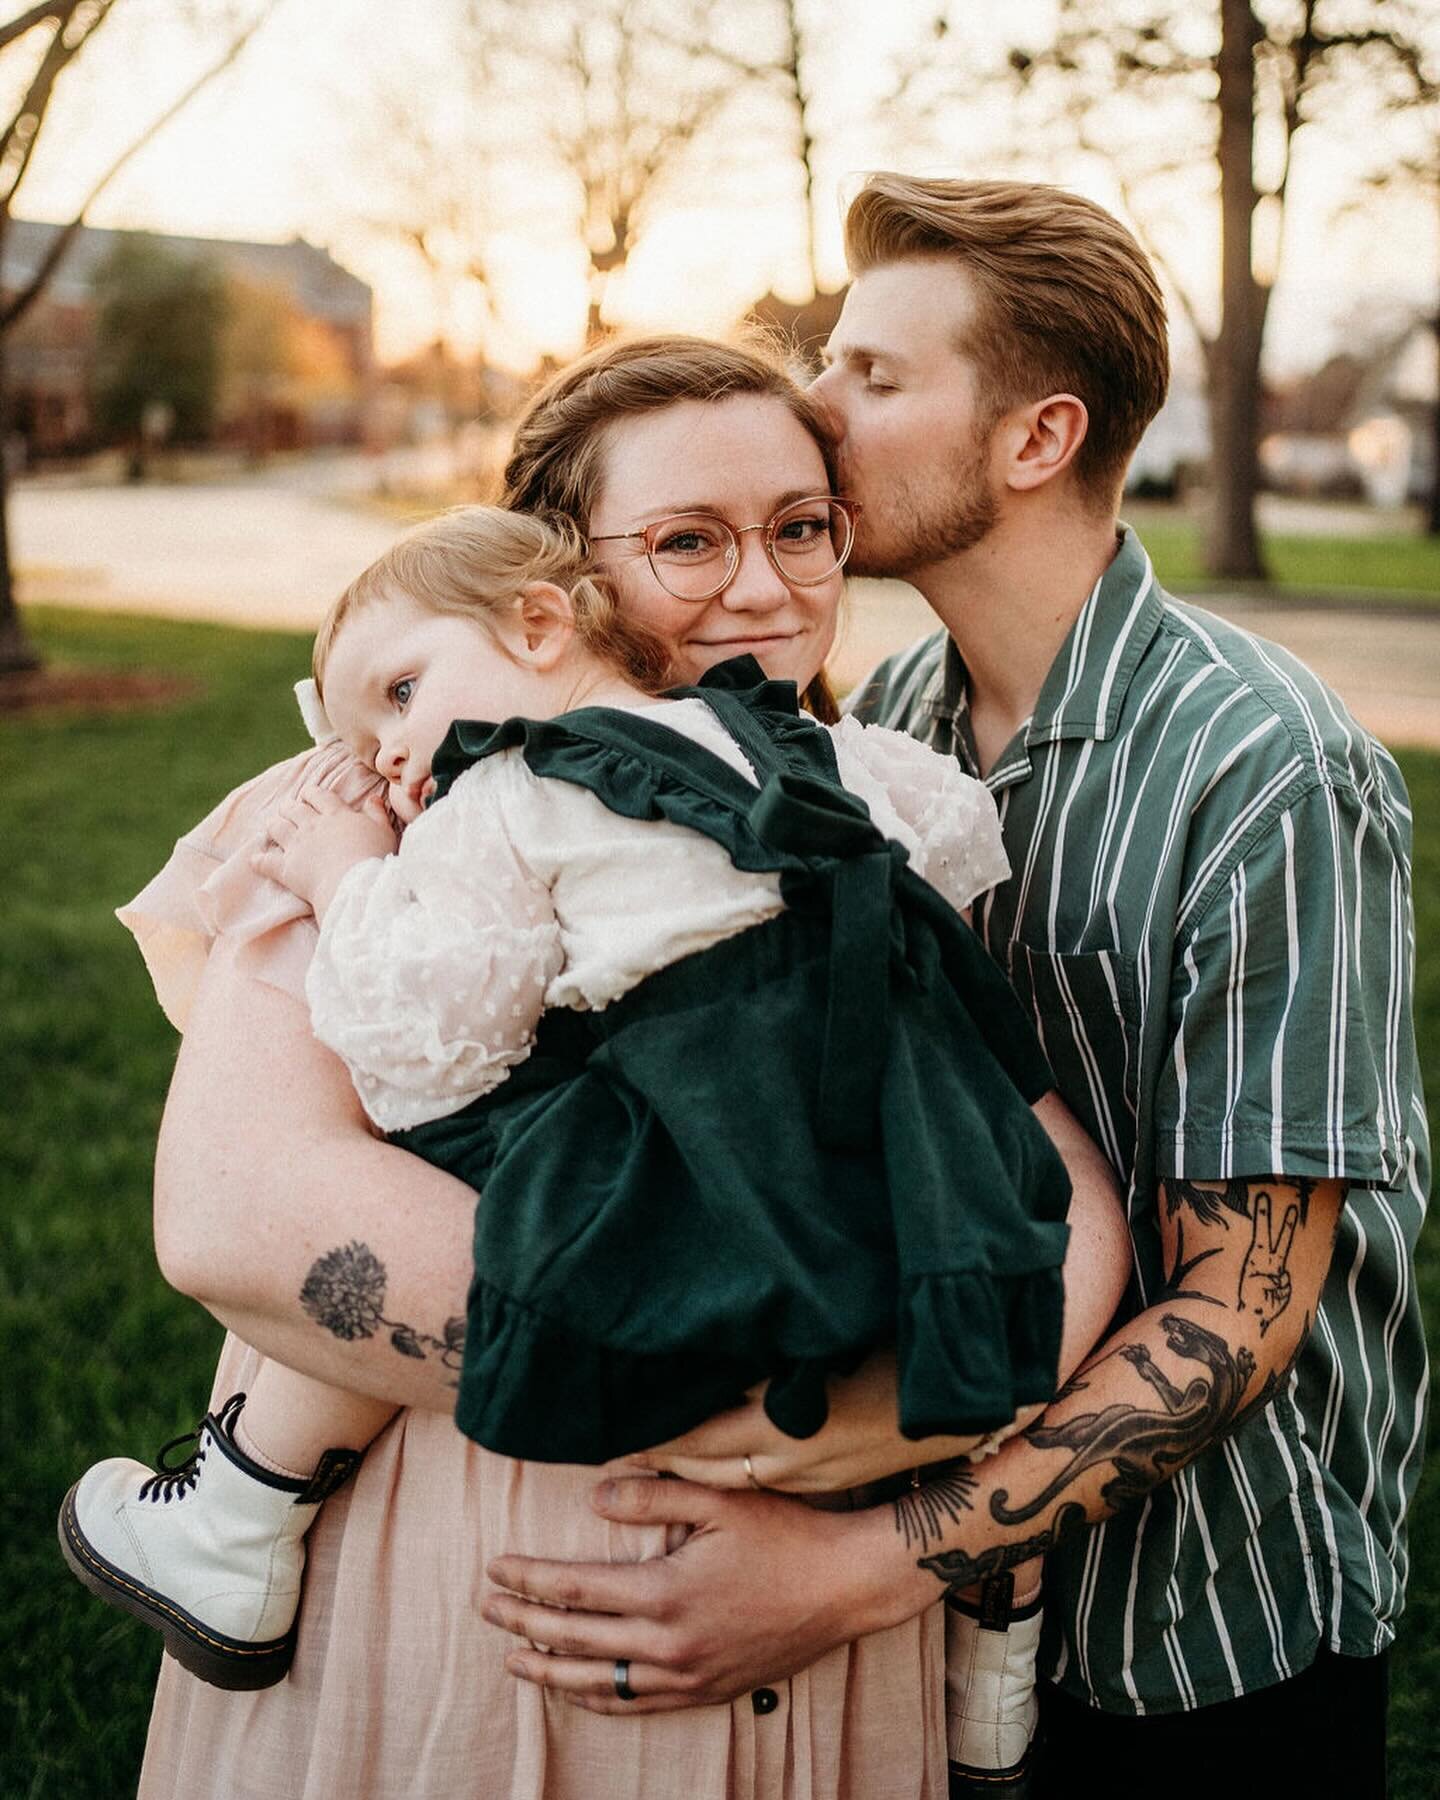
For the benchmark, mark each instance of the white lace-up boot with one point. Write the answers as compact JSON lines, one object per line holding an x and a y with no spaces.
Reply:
{"x":209,"y":1552}
{"x":990,"y":1707}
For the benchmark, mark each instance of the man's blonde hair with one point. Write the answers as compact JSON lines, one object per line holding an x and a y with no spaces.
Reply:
{"x":1067,"y":300}
{"x":476,"y":562}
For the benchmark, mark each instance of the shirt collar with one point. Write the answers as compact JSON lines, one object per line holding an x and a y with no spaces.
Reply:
{"x":1084,"y":692}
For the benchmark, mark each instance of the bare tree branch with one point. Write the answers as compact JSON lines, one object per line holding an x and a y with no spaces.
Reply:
{"x":17,"y":304}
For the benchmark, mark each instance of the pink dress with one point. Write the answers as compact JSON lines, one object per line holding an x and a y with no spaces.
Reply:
{"x":399,"y":1686}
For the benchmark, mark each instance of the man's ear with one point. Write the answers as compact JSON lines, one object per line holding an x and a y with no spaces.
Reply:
{"x":544,"y":625}
{"x":1042,"y":440}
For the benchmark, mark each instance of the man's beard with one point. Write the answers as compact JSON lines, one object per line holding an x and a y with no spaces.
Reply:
{"x":907,"y":531}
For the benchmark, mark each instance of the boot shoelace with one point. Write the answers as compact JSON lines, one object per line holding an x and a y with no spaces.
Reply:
{"x":169,"y":1481}
{"x":179,"y":1478}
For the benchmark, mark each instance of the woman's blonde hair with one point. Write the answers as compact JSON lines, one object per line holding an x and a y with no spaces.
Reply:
{"x":557,"y":463}
{"x":476,"y":562}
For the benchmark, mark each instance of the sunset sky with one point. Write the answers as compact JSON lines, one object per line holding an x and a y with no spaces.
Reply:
{"x":278,"y":147}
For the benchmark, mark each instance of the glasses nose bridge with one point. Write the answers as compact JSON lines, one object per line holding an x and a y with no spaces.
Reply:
{"x":736,"y":559}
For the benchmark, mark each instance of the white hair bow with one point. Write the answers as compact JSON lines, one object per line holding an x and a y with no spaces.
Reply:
{"x":312,"y":711}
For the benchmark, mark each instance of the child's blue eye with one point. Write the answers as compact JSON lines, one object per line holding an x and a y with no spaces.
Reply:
{"x":401,"y":691}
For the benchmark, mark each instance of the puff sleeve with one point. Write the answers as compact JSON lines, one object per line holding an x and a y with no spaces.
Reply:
{"x":430,"y":974}
{"x":949,"y":822}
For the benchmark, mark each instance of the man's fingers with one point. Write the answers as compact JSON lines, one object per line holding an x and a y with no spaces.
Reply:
{"x":631,"y":1589}
{"x":572,"y":1635}
{"x":641,"y":1501}
{"x":590,"y":1683}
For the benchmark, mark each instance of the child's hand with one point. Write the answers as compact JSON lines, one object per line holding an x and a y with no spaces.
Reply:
{"x":316,"y":839}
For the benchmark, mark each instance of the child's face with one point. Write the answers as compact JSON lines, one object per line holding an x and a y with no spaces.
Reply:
{"x":398,"y":675}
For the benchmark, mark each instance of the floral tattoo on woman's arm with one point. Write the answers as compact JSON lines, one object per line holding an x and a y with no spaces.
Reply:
{"x":344,"y":1292}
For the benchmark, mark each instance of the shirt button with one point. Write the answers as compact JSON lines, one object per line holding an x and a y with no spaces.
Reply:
{"x":764,"y":1700}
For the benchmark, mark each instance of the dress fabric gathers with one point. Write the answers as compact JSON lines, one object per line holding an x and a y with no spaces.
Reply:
{"x":399,"y":1687}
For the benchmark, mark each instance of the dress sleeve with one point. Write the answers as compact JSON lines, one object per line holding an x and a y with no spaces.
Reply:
{"x":207,"y":887}
{"x":430,"y":973}
{"x":950,"y":824}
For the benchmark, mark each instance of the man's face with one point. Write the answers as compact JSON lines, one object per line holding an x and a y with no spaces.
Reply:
{"x":915,"y":439}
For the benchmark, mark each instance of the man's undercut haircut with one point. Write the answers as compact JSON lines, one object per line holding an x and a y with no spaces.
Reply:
{"x":1067,"y":300}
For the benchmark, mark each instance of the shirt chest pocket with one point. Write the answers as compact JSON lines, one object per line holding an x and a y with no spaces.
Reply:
{"x":1086,"y":1010}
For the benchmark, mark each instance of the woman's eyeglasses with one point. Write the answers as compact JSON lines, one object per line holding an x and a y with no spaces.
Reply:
{"x":696,"y":555}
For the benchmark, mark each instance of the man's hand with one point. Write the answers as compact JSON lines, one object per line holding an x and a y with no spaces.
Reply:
{"x":317,"y":839}
{"x":762,"y":1587}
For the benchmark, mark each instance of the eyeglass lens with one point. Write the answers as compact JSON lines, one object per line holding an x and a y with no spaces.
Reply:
{"x":695,"y":554}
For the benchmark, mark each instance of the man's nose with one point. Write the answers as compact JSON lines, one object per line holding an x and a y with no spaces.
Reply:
{"x":824,"y":391}
{"x":758,"y":584}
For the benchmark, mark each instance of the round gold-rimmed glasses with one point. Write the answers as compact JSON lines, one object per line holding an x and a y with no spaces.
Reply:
{"x":696,"y":555}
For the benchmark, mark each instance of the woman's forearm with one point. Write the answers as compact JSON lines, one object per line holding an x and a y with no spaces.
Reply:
{"x":278,"y":1209}
{"x":1098,"y":1257}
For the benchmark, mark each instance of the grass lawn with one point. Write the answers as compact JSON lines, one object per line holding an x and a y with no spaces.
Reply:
{"x":1402,"y":568}
{"x":99,"y":1356}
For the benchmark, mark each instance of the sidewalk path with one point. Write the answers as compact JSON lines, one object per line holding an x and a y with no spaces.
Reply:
{"x":275,"y":549}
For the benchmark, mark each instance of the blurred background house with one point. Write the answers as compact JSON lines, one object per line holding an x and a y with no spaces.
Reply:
{"x":289,"y":364}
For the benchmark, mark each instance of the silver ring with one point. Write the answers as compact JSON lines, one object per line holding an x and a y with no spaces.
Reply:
{"x":750,"y":1476}
{"x":621,"y":1678}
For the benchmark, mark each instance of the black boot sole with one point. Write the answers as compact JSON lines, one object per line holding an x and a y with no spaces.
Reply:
{"x":223,"y":1662}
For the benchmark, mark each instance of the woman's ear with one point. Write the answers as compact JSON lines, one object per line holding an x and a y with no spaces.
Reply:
{"x":1042,"y":440}
{"x":544,"y":625}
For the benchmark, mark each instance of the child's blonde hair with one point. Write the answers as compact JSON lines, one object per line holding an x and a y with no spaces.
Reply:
{"x":477,"y":561}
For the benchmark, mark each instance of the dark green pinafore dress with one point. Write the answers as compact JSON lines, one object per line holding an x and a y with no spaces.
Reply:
{"x":771,"y":1157}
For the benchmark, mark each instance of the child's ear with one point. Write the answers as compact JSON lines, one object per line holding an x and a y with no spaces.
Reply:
{"x":546,"y":622}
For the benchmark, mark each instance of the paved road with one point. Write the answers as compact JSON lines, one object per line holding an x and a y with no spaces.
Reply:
{"x":275,"y":550}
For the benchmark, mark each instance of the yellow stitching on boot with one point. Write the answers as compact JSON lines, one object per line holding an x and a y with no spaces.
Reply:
{"x":157,"y":1604}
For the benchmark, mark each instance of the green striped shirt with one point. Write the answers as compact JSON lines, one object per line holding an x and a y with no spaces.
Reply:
{"x":1209,"y":917}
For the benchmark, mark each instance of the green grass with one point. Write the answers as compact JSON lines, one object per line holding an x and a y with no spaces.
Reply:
{"x":1403,"y":568}
{"x":99,"y":1356}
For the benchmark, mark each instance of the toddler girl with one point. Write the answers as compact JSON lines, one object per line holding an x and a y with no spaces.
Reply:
{"x":742,"y":1096}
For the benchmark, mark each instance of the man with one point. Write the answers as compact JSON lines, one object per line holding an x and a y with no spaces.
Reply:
{"x":1209,"y":918}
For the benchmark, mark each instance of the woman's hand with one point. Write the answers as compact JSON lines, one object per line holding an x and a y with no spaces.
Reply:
{"x":317,"y":839}
{"x":859,"y":1442}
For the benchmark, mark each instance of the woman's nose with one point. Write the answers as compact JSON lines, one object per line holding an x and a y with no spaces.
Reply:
{"x":758,"y":584}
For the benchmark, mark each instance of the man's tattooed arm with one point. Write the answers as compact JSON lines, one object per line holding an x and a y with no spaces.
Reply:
{"x":1215,"y":1345}
{"x":344,"y":1291}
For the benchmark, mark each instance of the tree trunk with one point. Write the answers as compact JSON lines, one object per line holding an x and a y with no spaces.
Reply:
{"x":1233,"y":549}
{"x":16,"y":651}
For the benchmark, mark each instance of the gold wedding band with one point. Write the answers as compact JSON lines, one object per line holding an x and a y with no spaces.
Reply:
{"x":750,"y":1476}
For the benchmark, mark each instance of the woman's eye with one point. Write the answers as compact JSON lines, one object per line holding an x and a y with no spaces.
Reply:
{"x":688,"y":540}
{"x":804,"y":530}
{"x":401,"y":691}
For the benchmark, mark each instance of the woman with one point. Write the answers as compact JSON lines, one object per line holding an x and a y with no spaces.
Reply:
{"x":399,"y":1686}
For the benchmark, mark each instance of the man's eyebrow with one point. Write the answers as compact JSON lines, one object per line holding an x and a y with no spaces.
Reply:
{"x":862,"y":353}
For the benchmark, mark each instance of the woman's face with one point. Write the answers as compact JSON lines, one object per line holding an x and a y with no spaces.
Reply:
{"x":743,"y":458}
